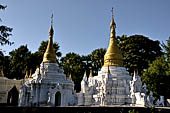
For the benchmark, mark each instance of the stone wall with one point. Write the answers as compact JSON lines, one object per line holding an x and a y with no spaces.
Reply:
{"x":6,"y":86}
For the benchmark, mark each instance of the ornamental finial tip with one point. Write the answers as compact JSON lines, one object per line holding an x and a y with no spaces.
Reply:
{"x":112,"y":12}
{"x":52,"y":19}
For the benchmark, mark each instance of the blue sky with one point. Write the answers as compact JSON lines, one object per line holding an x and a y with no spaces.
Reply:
{"x":82,"y":26}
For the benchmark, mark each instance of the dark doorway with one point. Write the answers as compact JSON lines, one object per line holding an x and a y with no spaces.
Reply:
{"x":13,"y":95}
{"x":58,"y":99}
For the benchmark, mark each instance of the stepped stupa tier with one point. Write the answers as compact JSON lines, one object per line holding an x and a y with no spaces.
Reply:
{"x":48,"y":86}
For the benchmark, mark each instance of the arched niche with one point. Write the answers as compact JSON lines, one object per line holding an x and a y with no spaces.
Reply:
{"x":12,"y":99}
{"x":58,"y":99}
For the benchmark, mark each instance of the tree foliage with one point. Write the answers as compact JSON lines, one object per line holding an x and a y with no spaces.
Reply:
{"x":97,"y":59}
{"x":4,"y":63}
{"x":157,"y":76}
{"x":72,"y":64}
{"x":1,"y":57}
{"x":167,"y":50}
{"x":5,"y":31}
{"x":20,"y":61}
{"x":138,"y":51}
{"x":87,"y":63}
{"x":76,"y":65}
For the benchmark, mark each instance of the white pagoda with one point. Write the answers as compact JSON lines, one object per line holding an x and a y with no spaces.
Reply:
{"x":48,"y":86}
{"x":113,"y":85}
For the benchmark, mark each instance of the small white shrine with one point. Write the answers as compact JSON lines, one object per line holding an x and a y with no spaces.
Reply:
{"x":48,"y":86}
{"x":113,"y":85}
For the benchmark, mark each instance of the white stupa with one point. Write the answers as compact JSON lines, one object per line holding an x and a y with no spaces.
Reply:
{"x":112,"y":84}
{"x":48,"y":86}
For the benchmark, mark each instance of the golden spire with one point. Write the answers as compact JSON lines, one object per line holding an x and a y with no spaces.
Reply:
{"x":30,"y":73}
{"x":49,"y":55}
{"x":91,"y":73}
{"x":26,"y":76}
{"x":113,"y":56}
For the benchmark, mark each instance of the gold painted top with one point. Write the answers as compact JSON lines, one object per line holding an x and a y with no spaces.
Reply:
{"x":49,"y":55}
{"x":113,"y":56}
{"x":30,"y":76}
{"x":26,"y":75}
{"x":91,"y":73}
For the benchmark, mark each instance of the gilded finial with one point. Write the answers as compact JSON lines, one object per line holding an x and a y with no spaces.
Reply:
{"x":51,"y":31}
{"x":136,"y":71}
{"x":52,"y":19}
{"x":113,"y":56}
{"x":49,"y":55}
{"x":26,"y":75}
{"x":91,"y":73}
{"x":112,"y":26}
{"x":30,"y":76}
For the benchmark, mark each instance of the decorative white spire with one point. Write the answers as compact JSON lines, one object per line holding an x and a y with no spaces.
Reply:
{"x":85,"y":76}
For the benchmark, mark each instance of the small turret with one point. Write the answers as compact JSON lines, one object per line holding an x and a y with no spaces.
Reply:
{"x":26,"y":75}
{"x":91,"y":74}
{"x":85,"y":76}
{"x":30,"y":76}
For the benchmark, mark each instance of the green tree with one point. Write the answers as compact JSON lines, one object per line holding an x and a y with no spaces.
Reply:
{"x":5,"y":66}
{"x":86,"y":61}
{"x":5,"y":31}
{"x":157,"y":77}
{"x":167,"y":50}
{"x":35,"y":61}
{"x":72,"y":64}
{"x":42,"y":49}
{"x":97,"y":59}
{"x":20,"y":61}
{"x":1,"y":57}
{"x":138,"y":51}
